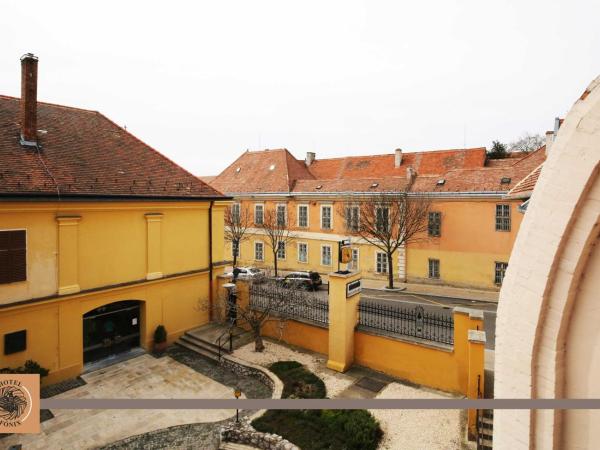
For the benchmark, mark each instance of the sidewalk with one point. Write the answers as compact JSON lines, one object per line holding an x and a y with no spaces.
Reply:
{"x":440,"y":291}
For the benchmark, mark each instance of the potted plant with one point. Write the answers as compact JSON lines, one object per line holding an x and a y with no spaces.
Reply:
{"x":160,"y":339}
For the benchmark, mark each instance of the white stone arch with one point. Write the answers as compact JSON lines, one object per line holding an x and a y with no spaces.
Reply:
{"x":556,"y":242}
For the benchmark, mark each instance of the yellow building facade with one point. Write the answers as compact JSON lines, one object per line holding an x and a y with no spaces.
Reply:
{"x":102,"y":238}
{"x":468,"y":248}
{"x":83,"y":256}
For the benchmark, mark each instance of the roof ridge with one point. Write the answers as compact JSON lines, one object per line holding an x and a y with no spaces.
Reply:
{"x":535,"y":152}
{"x":405,"y":153}
{"x":10,"y":97}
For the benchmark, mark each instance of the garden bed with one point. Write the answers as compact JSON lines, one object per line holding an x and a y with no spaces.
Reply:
{"x":317,"y":429}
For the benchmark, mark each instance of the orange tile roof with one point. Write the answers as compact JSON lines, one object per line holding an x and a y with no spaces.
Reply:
{"x":465,"y":170}
{"x":86,"y":155}
{"x":525,"y":187}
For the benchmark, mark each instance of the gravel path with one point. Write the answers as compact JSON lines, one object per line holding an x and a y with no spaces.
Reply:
{"x":421,"y":428}
{"x":335,"y":382}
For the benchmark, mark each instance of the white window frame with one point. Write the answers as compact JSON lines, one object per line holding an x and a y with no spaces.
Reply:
{"x":307,"y":215}
{"x":330,"y":255}
{"x":357,"y":208}
{"x":239,"y":249}
{"x":285,"y":214}
{"x":377,"y":253}
{"x":298,"y":252}
{"x":262,"y":205}
{"x":279,"y":244}
{"x":236,"y":206}
{"x":439,"y":269}
{"x":262,"y":250}
{"x":330,"y":206}
{"x":357,"y":250}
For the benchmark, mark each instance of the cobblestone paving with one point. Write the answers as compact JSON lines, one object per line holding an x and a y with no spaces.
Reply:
{"x":141,"y":377}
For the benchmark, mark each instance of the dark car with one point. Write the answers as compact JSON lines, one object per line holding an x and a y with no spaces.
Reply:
{"x":304,"y":280}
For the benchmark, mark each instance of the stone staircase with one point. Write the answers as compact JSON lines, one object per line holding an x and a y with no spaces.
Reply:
{"x":205,"y":340}
{"x":486,"y":430}
{"x":234,"y":446}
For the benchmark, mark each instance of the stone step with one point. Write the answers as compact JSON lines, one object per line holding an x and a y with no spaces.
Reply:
{"x":486,"y":444}
{"x":235,"y":446}
{"x":208,"y":346}
{"x":199,"y":350}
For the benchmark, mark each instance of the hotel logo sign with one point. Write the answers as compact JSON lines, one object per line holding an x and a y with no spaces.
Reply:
{"x":19,"y":403}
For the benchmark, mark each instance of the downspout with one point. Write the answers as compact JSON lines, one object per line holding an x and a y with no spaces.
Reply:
{"x":210,"y":261}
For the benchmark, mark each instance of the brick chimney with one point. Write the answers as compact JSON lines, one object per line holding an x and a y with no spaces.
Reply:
{"x":29,"y":71}
{"x":310,"y":158}
{"x":398,"y":158}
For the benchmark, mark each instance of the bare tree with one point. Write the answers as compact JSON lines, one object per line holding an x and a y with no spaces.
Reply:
{"x":237,"y":222}
{"x":527,"y":143}
{"x":269,"y":301}
{"x":388,"y":220}
{"x":276,"y":229}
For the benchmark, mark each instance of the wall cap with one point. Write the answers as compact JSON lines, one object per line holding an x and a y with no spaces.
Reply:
{"x":477,"y":336}
{"x":344,"y":275}
{"x":473,"y":313}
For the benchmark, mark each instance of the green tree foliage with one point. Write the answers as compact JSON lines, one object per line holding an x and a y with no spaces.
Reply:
{"x":498,"y":150}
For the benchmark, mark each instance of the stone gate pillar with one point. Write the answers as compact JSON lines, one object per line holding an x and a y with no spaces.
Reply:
{"x":344,"y":295}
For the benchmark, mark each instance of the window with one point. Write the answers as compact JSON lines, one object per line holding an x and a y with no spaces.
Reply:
{"x":500,"y":272}
{"x":382,"y":219}
{"x":15,"y":342}
{"x":326,"y":255}
{"x":502,"y":217}
{"x":235,"y":213}
{"x":13,"y":256}
{"x":281,"y":213}
{"x":302,"y":252}
{"x":381,"y":262}
{"x":259,"y":251}
{"x":280,"y":250}
{"x":259,"y":214}
{"x":352,"y":218}
{"x":434,"y":226}
{"x":303,"y":216}
{"x":235,"y":248}
{"x":354,"y":261}
{"x":434,"y":268}
{"x":326,"y":217}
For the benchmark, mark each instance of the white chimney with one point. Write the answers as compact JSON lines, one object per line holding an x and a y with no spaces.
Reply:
{"x":310,"y":157}
{"x":398,"y":158}
{"x":549,"y":141}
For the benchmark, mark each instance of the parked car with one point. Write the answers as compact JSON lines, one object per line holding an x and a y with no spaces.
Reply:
{"x":244,"y":273}
{"x":306,"y":280}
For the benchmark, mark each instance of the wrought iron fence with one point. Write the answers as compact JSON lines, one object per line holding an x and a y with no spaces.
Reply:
{"x":289,"y":303}
{"x":413,"y":322}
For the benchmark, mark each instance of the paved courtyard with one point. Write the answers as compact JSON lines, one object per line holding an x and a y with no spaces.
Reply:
{"x":140,"y":377}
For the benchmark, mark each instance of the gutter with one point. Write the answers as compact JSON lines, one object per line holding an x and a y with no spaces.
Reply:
{"x":475,"y":194}
{"x":108,"y":198}
{"x":210,"y":260}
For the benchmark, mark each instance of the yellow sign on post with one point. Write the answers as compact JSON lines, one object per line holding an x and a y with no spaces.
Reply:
{"x":346,"y":255}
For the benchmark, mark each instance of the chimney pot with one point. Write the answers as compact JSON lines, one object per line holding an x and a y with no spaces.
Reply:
{"x":310,"y":158}
{"x":398,"y":158}
{"x":29,"y":72}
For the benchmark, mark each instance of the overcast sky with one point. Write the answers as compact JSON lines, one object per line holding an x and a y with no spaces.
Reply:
{"x":203,"y":82}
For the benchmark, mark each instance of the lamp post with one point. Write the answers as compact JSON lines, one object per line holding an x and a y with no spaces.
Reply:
{"x":237,"y":392}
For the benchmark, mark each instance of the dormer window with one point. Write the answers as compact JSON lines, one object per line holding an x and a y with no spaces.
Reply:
{"x":374,"y":185}
{"x":272,"y":167}
{"x":441,"y":182}
{"x":319,"y":186}
{"x":238,"y":170}
{"x":505,"y":180}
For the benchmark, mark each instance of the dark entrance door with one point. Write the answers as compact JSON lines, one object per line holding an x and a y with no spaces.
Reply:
{"x":111,"y":329}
